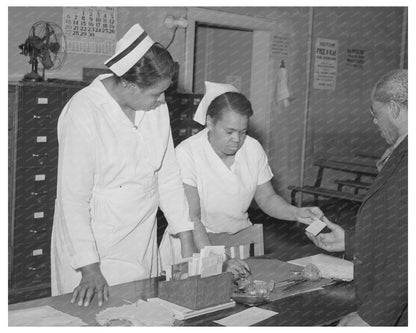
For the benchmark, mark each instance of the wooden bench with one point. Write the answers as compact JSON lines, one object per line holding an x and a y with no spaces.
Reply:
{"x":324,"y":192}
{"x":356,"y":184}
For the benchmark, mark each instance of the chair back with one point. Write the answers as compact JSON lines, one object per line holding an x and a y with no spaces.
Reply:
{"x":238,"y":245}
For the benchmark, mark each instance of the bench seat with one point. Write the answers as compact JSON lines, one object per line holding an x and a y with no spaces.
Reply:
{"x":324,"y":192}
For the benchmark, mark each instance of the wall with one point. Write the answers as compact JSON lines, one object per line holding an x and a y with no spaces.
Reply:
{"x":339,"y":123}
{"x":150,"y":18}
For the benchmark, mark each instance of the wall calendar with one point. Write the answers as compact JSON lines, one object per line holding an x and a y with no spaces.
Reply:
{"x":90,"y":30}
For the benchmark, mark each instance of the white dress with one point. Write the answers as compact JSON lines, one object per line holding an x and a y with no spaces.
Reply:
{"x":112,"y":176}
{"x":225,"y":193}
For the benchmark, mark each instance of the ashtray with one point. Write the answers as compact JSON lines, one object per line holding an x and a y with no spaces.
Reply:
{"x":249,"y":299}
{"x":253,"y":292}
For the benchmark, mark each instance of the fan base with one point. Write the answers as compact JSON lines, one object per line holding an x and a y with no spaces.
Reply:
{"x":33,"y":77}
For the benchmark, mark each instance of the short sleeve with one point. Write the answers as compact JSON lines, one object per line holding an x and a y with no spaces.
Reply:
{"x":186,"y":163}
{"x":264,"y":171}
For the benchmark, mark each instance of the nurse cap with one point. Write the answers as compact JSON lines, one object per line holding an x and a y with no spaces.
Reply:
{"x":212,"y":91}
{"x":129,"y":50}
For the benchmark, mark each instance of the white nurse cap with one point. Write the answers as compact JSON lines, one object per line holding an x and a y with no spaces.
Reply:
{"x":129,"y":50}
{"x":212,"y":91}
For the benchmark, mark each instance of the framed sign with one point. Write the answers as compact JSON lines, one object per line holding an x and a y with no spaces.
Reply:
{"x":90,"y":30}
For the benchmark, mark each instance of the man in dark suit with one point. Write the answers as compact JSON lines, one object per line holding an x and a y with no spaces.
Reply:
{"x":378,"y":246}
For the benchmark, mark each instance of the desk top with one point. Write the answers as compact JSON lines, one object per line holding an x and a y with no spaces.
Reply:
{"x":311,"y":309}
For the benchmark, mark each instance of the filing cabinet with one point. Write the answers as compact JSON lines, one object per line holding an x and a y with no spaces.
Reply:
{"x":34,"y":109}
{"x":182,"y":107}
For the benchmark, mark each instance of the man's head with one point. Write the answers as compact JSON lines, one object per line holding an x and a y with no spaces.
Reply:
{"x":389,"y":105}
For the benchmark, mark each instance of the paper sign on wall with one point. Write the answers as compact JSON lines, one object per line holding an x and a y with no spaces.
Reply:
{"x":356,"y":58}
{"x":90,"y":30}
{"x":280,"y":46}
{"x":326,"y":64}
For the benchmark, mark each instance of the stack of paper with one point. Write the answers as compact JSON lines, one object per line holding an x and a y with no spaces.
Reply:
{"x":329,"y":266}
{"x":42,"y":316}
{"x":206,"y":263}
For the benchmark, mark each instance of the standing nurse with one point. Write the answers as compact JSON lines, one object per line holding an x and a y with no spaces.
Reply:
{"x":116,"y":166}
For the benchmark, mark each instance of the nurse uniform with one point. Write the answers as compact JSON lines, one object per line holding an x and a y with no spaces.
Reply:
{"x":225,"y":193}
{"x":112,"y":175}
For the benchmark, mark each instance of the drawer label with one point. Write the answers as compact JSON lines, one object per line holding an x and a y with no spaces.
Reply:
{"x":37,"y":252}
{"x":39,"y":178}
{"x":42,"y":100}
{"x":41,"y":139}
{"x":38,"y":215}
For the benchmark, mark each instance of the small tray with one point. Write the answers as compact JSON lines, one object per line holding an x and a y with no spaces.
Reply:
{"x":249,"y":299}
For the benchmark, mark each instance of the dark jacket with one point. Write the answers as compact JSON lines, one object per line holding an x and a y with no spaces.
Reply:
{"x":379,"y":245}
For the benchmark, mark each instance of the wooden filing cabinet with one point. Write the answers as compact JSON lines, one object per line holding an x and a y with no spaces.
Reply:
{"x":34,"y":109}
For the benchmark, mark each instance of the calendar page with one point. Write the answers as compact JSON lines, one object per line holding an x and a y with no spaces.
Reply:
{"x":90,"y":30}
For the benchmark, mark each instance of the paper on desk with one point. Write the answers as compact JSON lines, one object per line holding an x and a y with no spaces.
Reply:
{"x":42,"y":316}
{"x":141,"y":313}
{"x":247,"y":317}
{"x":329,"y":266}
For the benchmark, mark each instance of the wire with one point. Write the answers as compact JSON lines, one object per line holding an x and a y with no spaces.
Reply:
{"x":173,"y":37}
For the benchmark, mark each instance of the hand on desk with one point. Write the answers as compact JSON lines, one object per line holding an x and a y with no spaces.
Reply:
{"x":306,"y":215}
{"x":237,"y":267}
{"x":352,"y":319}
{"x":333,"y":241}
{"x":92,"y":283}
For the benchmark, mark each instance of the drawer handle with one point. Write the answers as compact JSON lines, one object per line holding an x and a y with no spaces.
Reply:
{"x":37,"y":231}
{"x":36,"y":268}
{"x":39,"y":193}
{"x":40,"y":155}
{"x":36,"y":116}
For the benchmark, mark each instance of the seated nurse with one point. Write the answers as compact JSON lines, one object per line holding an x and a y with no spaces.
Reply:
{"x":223,"y":169}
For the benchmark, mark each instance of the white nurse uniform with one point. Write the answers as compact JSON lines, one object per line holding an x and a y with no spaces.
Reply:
{"x":225,"y":193}
{"x":112,"y":175}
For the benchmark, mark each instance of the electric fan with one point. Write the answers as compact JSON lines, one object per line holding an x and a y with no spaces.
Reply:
{"x":45,"y":44}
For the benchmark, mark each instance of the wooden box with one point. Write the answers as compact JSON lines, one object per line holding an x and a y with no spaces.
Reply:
{"x":198,"y":293}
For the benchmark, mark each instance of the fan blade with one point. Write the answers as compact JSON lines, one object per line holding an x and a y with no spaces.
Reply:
{"x":54,"y":47}
{"x":46,"y":59}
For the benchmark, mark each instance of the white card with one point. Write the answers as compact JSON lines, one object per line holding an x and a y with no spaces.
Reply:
{"x":316,"y":227}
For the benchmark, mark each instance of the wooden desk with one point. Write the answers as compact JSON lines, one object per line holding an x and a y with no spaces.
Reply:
{"x":316,"y":308}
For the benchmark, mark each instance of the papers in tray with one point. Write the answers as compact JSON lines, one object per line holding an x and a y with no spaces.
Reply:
{"x":329,"y":266}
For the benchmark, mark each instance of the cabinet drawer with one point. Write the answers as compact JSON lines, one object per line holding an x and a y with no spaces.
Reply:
{"x":31,"y":265}
{"x":35,"y":186}
{"x":33,"y":224}
{"x":39,"y":118}
{"x":41,"y":99}
{"x":37,"y":147}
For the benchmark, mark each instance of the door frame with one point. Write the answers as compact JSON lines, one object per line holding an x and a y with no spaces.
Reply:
{"x":261,"y":85}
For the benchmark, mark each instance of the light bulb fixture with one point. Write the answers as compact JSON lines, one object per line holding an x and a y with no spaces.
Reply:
{"x":172,"y":22}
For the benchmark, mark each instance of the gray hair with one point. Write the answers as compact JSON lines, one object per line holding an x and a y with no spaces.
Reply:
{"x":392,"y":87}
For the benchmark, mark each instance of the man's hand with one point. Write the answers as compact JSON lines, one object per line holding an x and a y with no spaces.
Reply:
{"x":306,"y":215}
{"x":352,"y":319}
{"x":333,"y":241}
{"x":92,"y":282}
{"x":237,"y":267}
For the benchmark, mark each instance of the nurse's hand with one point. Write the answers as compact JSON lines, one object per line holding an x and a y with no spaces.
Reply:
{"x":238,"y":268}
{"x":306,"y":215}
{"x":92,"y":283}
